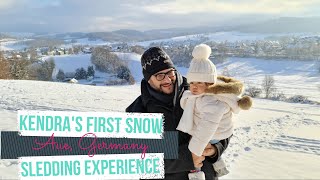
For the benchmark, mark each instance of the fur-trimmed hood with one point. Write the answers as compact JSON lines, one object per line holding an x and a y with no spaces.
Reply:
{"x":227,"y":85}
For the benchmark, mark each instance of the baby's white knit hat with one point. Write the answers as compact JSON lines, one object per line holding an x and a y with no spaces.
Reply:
{"x":201,"y":68}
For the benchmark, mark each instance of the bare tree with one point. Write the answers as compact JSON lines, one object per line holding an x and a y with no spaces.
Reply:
{"x":33,"y":55}
{"x":19,"y":68}
{"x":76,"y":49}
{"x":137,"y":49}
{"x":42,"y":71}
{"x":180,"y":55}
{"x":105,"y":61}
{"x":268,"y":85}
{"x":4,"y":67}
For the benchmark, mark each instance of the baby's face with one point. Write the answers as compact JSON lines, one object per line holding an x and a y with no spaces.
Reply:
{"x":198,"y":87}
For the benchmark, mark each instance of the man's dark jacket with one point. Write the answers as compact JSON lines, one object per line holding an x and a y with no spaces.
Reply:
{"x":151,"y":101}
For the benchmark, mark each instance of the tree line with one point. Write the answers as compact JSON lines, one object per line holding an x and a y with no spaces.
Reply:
{"x":108,"y":62}
{"x":21,"y":68}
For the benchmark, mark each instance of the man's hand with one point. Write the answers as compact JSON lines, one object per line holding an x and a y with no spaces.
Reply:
{"x":210,"y":150}
{"x":197,"y":160}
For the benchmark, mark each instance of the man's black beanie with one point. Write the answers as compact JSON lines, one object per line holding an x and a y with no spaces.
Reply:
{"x":154,"y":60}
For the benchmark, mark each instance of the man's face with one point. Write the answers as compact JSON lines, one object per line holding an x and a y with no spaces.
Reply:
{"x":163,"y":81}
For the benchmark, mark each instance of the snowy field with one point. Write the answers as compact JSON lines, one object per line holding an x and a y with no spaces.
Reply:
{"x":274,"y":140}
{"x":291,"y":77}
{"x":12,"y":44}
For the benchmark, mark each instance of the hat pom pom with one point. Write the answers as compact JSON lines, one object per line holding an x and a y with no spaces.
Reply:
{"x":201,"y":52}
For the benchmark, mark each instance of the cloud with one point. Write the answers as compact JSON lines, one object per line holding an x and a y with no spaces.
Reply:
{"x":233,"y":7}
{"x":107,"y":24}
{"x":99,"y":15}
{"x":44,"y":4}
{"x":7,"y":4}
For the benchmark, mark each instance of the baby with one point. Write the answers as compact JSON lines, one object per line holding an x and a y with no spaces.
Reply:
{"x":209,"y":105}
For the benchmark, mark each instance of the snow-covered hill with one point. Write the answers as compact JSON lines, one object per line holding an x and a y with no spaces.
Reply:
{"x":230,"y":36}
{"x":12,"y":44}
{"x":291,"y":77}
{"x":273,"y":140}
{"x":217,"y":36}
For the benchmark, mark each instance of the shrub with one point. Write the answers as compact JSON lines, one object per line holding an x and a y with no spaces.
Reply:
{"x":253,"y":91}
{"x":116,"y":82}
{"x":278,"y":96}
{"x":299,"y":99}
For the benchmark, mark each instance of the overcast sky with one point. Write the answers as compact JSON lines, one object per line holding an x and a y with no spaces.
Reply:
{"x":109,"y":15}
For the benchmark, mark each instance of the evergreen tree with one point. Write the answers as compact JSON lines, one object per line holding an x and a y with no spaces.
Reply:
{"x":123,"y":73}
{"x":90,"y":71}
{"x":81,"y":73}
{"x":60,"y":76}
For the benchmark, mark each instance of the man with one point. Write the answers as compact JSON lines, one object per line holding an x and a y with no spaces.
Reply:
{"x":161,"y":90}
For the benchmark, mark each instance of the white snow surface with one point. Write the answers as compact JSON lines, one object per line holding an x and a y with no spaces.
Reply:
{"x":273,"y":140}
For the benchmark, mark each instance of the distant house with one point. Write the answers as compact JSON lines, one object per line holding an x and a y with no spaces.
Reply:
{"x":107,"y":47}
{"x":56,"y":52}
{"x":120,"y":47}
{"x":165,"y":47}
{"x":44,"y":50}
{"x":51,"y":53}
{"x":87,"y":50}
{"x":59,"y":52}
